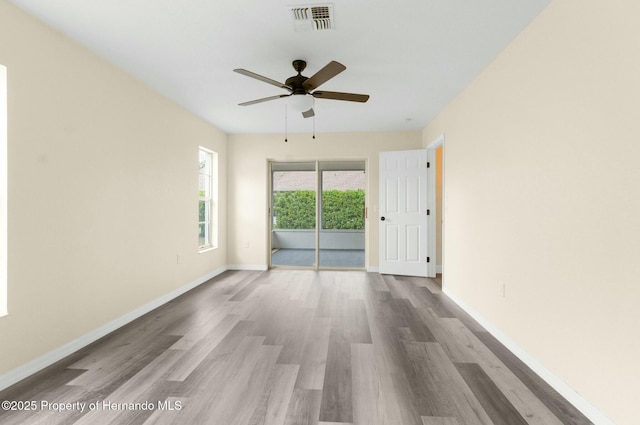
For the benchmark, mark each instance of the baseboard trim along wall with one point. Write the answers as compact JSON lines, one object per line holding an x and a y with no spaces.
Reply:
{"x":259,"y":267}
{"x":71,"y":347}
{"x":583,"y":405}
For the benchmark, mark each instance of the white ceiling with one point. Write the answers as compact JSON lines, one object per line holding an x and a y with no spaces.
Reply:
{"x":411,"y":56}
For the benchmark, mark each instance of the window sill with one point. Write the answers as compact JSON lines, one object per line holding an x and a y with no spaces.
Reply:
{"x":206,"y":249}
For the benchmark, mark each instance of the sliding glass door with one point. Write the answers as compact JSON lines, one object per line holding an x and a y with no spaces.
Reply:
{"x":318,"y":214}
{"x":342,"y":214}
{"x":293,"y":214}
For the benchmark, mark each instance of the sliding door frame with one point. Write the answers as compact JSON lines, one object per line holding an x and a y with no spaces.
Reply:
{"x":318,"y":215}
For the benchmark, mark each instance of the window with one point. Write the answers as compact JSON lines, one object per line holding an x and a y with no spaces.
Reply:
{"x":3,"y":191}
{"x":208,"y":202}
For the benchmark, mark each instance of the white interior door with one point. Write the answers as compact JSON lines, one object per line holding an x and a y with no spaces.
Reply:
{"x":403,"y":213}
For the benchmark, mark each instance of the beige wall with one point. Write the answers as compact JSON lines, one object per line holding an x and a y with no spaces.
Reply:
{"x":542,"y":189}
{"x":248,"y":182}
{"x":102,"y":191}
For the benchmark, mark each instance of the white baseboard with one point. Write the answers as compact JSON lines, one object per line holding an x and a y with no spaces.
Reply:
{"x":36,"y":365}
{"x":259,"y":267}
{"x":580,"y":403}
{"x":373,"y":269}
{"x":439,"y":268}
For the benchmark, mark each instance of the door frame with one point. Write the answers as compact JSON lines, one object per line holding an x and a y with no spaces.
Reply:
{"x":431,"y":200}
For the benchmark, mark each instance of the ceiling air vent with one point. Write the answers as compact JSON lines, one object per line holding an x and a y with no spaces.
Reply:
{"x":312,"y":18}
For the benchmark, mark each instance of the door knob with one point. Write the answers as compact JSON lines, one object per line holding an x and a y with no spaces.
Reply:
{"x":382,"y":218}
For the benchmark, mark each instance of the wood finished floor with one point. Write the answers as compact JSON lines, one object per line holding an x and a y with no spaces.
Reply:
{"x":297,"y":347}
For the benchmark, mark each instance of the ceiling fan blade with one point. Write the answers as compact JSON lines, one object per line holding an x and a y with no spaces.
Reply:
{"x":264,"y":99}
{"x":351,"y":97}
{"x":262,"y":78}
{"x":308,"y":114}
{"x":332,"y":69}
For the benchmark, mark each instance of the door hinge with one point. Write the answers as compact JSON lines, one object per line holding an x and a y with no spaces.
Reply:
{"x":428,"y":259}
{"x":428,"y":212}
{"x":428,"y":165}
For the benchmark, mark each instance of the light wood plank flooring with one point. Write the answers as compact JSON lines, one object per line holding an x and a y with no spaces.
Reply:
{"x":293,"y":348}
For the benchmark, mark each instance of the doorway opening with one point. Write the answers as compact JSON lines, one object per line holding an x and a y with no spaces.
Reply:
{"x":318,"y":215}
{"x":435,"y":156}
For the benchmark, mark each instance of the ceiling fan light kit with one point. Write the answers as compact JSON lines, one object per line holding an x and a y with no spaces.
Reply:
{"x":300,"y":102}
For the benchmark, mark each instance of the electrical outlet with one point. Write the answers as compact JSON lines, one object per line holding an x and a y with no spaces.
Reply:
{"x":179,"y":258}
{"x":503,"y":289}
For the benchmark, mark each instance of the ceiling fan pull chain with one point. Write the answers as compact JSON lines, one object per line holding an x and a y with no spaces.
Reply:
{"x":314,"y":127}
{"x":285,"y":122}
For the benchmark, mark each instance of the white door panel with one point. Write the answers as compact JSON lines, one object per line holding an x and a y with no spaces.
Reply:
{"x":392,"y":245}
{"x":403,"y":212}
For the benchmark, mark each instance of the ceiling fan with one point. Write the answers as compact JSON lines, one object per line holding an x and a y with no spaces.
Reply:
{"x":302,"y":88}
